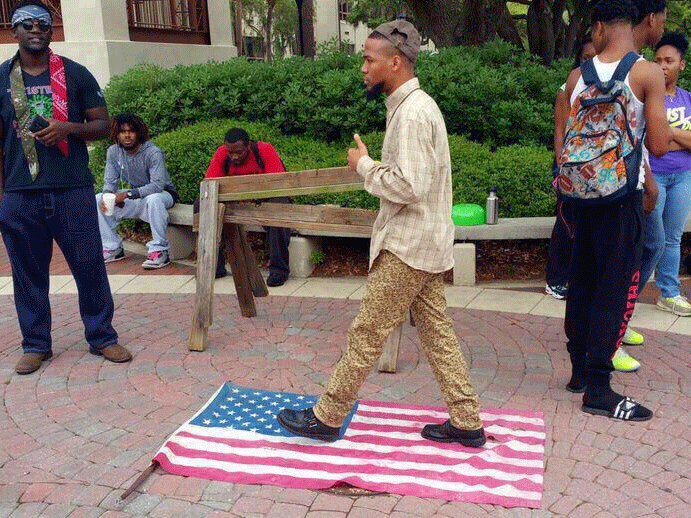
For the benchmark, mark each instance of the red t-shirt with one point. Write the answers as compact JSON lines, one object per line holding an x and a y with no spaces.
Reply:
{"x":272,"y":163}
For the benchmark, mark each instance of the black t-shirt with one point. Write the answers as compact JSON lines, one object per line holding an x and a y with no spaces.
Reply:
{"x":56,"y":170}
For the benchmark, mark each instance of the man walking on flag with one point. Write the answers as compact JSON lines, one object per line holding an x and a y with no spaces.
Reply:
{"x":411,"y":248}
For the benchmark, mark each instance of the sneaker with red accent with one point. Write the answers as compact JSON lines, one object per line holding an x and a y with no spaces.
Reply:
{"x":110,"y":256}
{"x":157,"y":259}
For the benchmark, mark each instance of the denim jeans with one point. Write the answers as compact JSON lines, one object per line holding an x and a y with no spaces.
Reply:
{"x":662,"y":231}
{"x":30,"y":220}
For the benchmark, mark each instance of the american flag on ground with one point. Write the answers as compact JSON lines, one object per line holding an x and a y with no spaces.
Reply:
{"x":236,"y":438}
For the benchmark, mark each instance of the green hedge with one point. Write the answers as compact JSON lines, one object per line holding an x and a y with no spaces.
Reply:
{"x":484,"y":92}
{"x":521,"y":173}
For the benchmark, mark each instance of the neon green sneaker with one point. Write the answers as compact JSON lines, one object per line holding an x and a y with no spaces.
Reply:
{"x":624,"y":362}
{"x":633,"y":337}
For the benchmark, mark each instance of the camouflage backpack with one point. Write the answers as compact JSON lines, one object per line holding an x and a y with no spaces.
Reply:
{"x":601,"y":157}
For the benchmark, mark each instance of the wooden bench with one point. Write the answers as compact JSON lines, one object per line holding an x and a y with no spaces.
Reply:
{"x":223,"y":207}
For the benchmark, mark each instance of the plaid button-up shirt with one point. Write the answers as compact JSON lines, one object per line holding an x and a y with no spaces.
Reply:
{"x":413,"y":183}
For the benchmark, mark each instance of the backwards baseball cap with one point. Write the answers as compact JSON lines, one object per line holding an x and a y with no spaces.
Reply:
{"x":403,"y":36}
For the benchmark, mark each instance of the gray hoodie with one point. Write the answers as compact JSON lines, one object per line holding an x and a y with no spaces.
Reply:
{"x":144,"y":170}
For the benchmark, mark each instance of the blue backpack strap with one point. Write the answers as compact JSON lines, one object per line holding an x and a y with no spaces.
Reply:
{"x":624,"y":66}
{"x":588,"y":73}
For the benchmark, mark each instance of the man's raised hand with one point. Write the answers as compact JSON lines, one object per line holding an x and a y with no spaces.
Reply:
{"x":354,"y":154}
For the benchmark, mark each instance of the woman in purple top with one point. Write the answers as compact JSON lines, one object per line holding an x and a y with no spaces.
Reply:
{"x":663,"y":227}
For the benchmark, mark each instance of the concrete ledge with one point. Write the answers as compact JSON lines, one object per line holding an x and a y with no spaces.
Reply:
{"x":508,"y":228}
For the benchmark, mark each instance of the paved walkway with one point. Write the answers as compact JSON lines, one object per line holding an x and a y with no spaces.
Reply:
{"x":79,"y":431}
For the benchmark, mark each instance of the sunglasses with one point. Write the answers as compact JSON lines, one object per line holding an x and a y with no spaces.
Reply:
{"x":29,"y":26}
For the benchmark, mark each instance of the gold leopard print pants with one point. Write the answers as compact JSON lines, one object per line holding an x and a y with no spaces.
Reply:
{"x":392,"y":288}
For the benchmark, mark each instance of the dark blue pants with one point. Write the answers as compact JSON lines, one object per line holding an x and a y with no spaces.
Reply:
{"x":30,"y":221}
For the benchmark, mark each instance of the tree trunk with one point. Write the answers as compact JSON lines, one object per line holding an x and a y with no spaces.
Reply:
{"x":237,"y":24}
{"x":507,"y":29}
{"x":541,"y":30}
{"x":270,"y":4}
{"x":458,"y":22}
{"x":309,"y":46}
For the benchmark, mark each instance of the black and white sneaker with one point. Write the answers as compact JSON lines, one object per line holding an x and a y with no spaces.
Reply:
{"x":557,"y":291}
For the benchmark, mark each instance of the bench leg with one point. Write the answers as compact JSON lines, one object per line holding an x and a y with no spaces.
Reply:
{"x":389,"y":356}
{"x":257,"y":283}
{"x":207,"y":254}
{"x":242,"y":276}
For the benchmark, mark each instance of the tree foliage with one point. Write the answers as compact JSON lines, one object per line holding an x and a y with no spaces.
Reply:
{"x":549,"y":29}
{"x":275,"y":21}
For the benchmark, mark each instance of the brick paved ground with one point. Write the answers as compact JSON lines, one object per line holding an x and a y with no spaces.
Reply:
{"x":79,"y":431}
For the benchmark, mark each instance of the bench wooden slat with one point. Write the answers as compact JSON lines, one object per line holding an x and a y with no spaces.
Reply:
{"x":303,"y":217}
{"x":270,"y":185}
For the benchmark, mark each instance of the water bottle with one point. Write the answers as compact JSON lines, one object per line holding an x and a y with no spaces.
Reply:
{"x":492,"y":207}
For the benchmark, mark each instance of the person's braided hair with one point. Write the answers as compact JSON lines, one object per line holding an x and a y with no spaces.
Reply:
{"x":646,"y":7}
{"x":608,"y":11}
{"x":674,"y":39}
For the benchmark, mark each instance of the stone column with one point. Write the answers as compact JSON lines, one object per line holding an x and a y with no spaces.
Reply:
{"x":220,"y":23}
{"x":95,"y":20}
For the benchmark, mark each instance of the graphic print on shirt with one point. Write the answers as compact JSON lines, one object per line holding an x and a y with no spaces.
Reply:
{"x":676,"y":117}
{"x":40,"y":100}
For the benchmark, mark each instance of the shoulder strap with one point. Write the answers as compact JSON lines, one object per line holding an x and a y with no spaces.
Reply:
{"x":588,"y":73}
{"x":257,"y":156}
{"x":624,"y":66}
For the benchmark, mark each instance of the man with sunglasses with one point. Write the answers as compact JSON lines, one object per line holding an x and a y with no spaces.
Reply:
{"x":49,"y":107}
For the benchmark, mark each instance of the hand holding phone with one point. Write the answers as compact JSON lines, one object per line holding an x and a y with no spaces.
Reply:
{"x":37,"y":123}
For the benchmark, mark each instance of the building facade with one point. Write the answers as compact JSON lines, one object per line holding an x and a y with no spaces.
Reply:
{"x":111,"y":36}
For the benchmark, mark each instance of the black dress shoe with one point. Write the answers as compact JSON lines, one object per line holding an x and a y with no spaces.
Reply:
{"x":305,"y":424}
{"x":446,"y":432}
{"x":276,"y":279}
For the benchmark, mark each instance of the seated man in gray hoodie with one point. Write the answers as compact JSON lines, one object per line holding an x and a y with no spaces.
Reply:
{"x":134,"y":160}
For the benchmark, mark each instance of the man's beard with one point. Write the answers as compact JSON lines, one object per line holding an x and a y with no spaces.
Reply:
{"x":375,"y":91}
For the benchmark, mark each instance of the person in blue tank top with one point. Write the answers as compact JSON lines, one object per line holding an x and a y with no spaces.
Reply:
{"x":664,"y":226}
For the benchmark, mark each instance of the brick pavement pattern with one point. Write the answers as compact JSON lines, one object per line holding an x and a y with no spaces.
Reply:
{"x":75,"y":434}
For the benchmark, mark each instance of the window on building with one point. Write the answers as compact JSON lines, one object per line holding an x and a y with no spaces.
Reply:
{"x":169,"y":21}
{"x":343,"y":11}
{"x":254,"y":47}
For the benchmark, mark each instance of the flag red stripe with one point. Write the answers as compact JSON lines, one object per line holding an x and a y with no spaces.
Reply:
{"x":365,"y":469}
{"x":306,"y":483}
{"x":378,"y":428}
{"x":421,"y":420}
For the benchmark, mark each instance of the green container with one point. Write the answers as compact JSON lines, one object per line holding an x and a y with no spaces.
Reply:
{"x":467,"y":214}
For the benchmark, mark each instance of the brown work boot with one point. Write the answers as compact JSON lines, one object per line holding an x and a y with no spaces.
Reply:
{"x":114,"y":352}
{"x":30,"y":362}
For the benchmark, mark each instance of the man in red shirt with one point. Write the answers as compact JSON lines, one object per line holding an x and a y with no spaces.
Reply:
{"x":238,"y":156}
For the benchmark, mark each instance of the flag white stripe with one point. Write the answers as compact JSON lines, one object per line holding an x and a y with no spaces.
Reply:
{"x":488,"y":428}
{"x":302,"y":456}
{"x":489,"y":416}
{"x":424,"y":448}
{"x":506,"y":490}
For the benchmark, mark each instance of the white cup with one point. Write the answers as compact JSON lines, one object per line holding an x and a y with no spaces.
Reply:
{"x":109,"y":202}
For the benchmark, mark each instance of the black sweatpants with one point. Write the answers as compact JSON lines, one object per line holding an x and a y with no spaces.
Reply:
{"x":603,"y":284}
